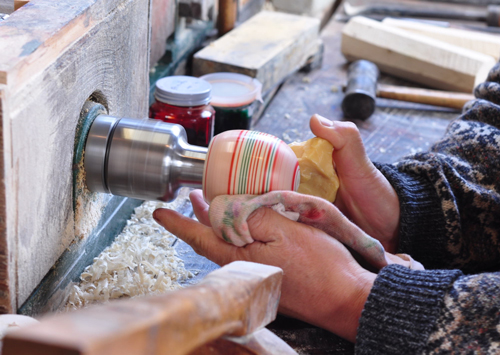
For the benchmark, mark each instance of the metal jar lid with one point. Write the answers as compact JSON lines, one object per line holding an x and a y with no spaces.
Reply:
{"x":183,"y":91}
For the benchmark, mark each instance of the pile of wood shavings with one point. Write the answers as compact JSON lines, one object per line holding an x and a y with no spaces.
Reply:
{"x":141,"y":261}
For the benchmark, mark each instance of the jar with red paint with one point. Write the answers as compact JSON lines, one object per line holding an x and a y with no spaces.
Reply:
{"x":185,"y":100}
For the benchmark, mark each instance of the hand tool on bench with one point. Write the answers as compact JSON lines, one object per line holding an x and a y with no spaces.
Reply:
{"x":490,"y":14}
{"x":237,"y":301}
{"x":362,"y":89}
{"x":415,"y":57}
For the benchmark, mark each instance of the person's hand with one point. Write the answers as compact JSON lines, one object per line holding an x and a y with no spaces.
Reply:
{"x":322,"y":283}
{"x":365,"y":196}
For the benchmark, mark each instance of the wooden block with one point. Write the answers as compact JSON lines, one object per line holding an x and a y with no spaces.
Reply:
{"x":236,"y":300}
{"x":477,"y":41}
{"x":55,"y":55}
{"x":415,"y":57}
{"x":162,"y":27}
{"x":269,"y":46}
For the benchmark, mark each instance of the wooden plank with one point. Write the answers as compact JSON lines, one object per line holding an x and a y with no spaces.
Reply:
{"x":477,"y":41}
{"x":269,"y":46}
{"x":415,"y":57}
{"x":237,"y":300}
{"x":55,"y":55}
{"x":162,"y":27}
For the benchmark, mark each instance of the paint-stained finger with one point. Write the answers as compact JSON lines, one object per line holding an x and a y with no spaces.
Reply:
{"x":200,"y":207}
{"x":200,"y":237}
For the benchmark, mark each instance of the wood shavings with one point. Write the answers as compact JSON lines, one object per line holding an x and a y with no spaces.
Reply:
{"x":141,"y":261}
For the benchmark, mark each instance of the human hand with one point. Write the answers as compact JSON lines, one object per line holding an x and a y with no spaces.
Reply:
{"x":322,"y":284}
{"x":365,"y":196}
{"x":228,"y":216}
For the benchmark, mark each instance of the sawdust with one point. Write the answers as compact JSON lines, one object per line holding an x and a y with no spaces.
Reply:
{"x":89,"y":206}
{"x":141,"y":261}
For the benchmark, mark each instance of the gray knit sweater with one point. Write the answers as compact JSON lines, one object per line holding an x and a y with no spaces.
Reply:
{"x":450,"y":222}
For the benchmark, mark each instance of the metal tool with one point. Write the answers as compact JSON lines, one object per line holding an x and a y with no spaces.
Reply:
{"x":362,"y":89}
{"x":144,"y":159}
{"x":489,"y":14}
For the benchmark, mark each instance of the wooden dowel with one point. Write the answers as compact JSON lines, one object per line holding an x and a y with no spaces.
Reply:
{"x":424,"y":96}
{"x":228,"y":12}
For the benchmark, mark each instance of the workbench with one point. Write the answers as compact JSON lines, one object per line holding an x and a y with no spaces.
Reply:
{"x":395,"y":130}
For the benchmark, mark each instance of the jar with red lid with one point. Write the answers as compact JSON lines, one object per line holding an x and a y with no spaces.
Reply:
{"x":185,"y":100}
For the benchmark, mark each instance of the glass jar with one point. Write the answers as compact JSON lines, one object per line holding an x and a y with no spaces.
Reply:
{"x":233,"y":97}
{"x":185,"y":100}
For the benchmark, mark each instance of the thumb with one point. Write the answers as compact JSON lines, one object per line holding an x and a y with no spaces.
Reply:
{"x":349,"y":152}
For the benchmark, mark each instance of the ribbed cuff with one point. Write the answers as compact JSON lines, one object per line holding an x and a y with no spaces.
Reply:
{"x":402,"y":310}
{"x":422,"y":231}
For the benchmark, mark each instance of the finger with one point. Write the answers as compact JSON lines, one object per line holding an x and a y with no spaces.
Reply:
{"x":200,"y":237}
{"x":200,"y":207}
{"x":266,"y":226}
{"x":349,"y":152}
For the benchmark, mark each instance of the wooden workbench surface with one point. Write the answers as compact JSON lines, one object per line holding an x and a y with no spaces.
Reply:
{"x":395,"y":130}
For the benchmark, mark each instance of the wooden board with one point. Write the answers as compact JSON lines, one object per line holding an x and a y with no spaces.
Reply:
{"x":269,"y":46}
{"x":415,"y":57}
{"x":55,"y":55}
{"x":236,"y":300}
{"x":162,"y":27}
{"x":477,"y":41}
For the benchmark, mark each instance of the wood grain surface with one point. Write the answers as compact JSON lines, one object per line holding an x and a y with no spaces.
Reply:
{"x":236,"y":300}
{"x":55,"y":55}
{"x":415,"y":57}
{"x":270,"y":46}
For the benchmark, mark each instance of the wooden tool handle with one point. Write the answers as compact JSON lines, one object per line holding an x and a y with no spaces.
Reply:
{"x":424,"y":96}
{"x":235,"y":300}
{"x":20,"y":3}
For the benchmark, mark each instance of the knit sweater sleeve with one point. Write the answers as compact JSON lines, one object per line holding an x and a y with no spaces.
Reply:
{"x":450,"y":222}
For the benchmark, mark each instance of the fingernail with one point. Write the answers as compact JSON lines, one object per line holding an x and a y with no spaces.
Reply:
{"x":155,"y":216}
{"x":324,"y":121}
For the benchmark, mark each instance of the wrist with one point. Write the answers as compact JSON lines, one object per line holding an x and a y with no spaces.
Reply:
{"x":343,"y":317}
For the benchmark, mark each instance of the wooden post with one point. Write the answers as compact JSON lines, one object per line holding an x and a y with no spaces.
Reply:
{"x":228,"y":12}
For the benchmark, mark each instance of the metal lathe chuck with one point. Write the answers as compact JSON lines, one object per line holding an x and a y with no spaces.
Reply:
{"x":141,"y":158}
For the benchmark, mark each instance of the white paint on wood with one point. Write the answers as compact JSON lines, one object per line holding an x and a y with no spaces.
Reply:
{"x":269,"y":46}
{"x":48,"y":69}
{"x":477,"y":41}
{"x":415,"y":57}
